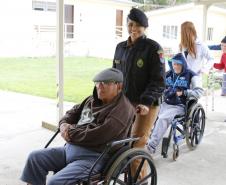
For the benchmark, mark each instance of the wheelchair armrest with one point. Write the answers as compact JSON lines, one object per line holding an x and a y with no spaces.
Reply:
{"x":191,"y":98}
{"x":179,"y":116}
{"x":107,"y":149}
{"x":123,"y":141}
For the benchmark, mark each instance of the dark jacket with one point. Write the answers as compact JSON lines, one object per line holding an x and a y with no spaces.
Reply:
{"x":187,"y":82}
{"x":93,"y":124}
{"x":142,"y":65}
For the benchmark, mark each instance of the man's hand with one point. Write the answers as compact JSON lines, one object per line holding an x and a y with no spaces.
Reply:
{"x":64,"y":131}
{"x":179,"y":93}
{"x":142,"y":109}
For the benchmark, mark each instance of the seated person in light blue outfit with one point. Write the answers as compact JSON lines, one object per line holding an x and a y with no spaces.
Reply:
{"x":181,"y":83}
{"x":216,"y":47}
{"x":104,"y":117}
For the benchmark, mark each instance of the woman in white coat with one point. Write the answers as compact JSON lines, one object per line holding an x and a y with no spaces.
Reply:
{"x":196,"y":53}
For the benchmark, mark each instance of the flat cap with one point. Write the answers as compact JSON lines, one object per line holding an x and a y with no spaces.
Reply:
{"x":138,"y":16}
{"x":223,"y":40}
{"x":109,"y":75}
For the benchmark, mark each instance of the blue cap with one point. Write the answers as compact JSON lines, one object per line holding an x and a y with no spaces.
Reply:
{"x":178,"y":59}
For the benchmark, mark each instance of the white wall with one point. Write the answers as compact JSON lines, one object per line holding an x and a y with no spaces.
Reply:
{"x":217,"y":20}
{"x":177,"y":15}
{"x":94,"y":28}
{"x":16,"y":29}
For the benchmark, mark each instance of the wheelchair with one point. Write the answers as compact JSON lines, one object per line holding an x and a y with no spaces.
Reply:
{"x":189,"y":126}
{"x":117,"y":170}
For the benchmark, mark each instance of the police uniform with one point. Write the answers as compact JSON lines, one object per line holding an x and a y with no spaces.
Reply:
{"x":143,"y":70}
{"x":142,"y":65}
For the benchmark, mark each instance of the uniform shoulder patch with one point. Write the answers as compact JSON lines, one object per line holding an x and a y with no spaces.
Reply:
{"x":161,"y":55}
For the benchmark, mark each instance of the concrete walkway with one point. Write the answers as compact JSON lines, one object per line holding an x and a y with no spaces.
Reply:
{"x":21,"y":132}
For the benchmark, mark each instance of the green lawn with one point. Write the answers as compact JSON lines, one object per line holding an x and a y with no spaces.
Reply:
{"x":37,"y":76}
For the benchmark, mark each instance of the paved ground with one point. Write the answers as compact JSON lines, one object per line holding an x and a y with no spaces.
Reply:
{"x":21,"y":132}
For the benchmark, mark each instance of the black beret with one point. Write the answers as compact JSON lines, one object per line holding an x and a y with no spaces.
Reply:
{"x":223,"y":40}
{"x":138,"y":16}
{"x":109,"y":75}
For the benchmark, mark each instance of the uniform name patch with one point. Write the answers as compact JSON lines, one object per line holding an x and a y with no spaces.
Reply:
{"x":117,"y":61}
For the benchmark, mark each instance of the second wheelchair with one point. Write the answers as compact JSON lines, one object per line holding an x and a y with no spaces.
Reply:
{"x":189,"y":126}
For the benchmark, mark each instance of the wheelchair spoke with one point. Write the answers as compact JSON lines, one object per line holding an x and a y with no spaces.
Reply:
{"x":197,"y":129}
{"x":145,"y":179}
{"x":148,"y":176}
{"x":121,"y":174}
{"x":196,"y":139}
{"x":118,"y":181}
{"x":130,"y":177}
{"x":138,"y":170}
{"x":192,"y":138}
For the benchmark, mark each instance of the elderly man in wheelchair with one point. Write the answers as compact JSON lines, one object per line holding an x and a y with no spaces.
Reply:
{"x":179,"y":109}
{"x":97,"y":148}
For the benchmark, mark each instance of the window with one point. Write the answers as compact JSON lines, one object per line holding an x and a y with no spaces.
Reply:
{"x":51,"y":6}
{"x":119,"y":17}
{"x":169,"y":32}
{"x":43,"y":6}
{"x":69,"y":21}
{"x":210,"y":34}
{"x":164,"y":32}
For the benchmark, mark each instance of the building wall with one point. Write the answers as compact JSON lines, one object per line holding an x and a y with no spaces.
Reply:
{"x":217,"y":20}
{"x":177,"y":15}
{"x":94,"y":29}
{"x":16,"y":28}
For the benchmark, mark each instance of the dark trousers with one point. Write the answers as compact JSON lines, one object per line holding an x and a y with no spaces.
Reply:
{"x":71,"y":164}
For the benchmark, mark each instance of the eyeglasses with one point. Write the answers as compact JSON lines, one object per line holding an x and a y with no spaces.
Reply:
{"x":107,"y":83}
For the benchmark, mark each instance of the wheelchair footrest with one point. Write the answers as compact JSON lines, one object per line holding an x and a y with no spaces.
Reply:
{"x":165,"y":146}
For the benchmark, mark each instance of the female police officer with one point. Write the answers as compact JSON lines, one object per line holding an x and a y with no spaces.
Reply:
{"x":141,"y":61}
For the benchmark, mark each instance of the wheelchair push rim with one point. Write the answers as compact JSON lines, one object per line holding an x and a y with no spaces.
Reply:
{"x":195,"y":126}
{"x":120,"y":171}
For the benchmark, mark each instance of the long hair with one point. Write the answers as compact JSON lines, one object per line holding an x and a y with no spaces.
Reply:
{"x":188,"y":37}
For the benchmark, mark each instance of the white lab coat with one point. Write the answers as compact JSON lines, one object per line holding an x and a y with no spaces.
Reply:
{"x":203,"y":61}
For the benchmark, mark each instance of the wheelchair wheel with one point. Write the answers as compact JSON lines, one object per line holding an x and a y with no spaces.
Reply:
{"x":175,"y":152}
{"x":195,"y":126}
{"x":120,"y":171}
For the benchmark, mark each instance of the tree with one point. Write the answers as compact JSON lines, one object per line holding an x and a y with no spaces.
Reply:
{"x":161,"y":2}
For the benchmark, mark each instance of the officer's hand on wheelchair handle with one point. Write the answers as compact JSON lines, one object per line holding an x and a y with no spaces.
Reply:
{"x":142,"y":109}
{"x":64,"y":131}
